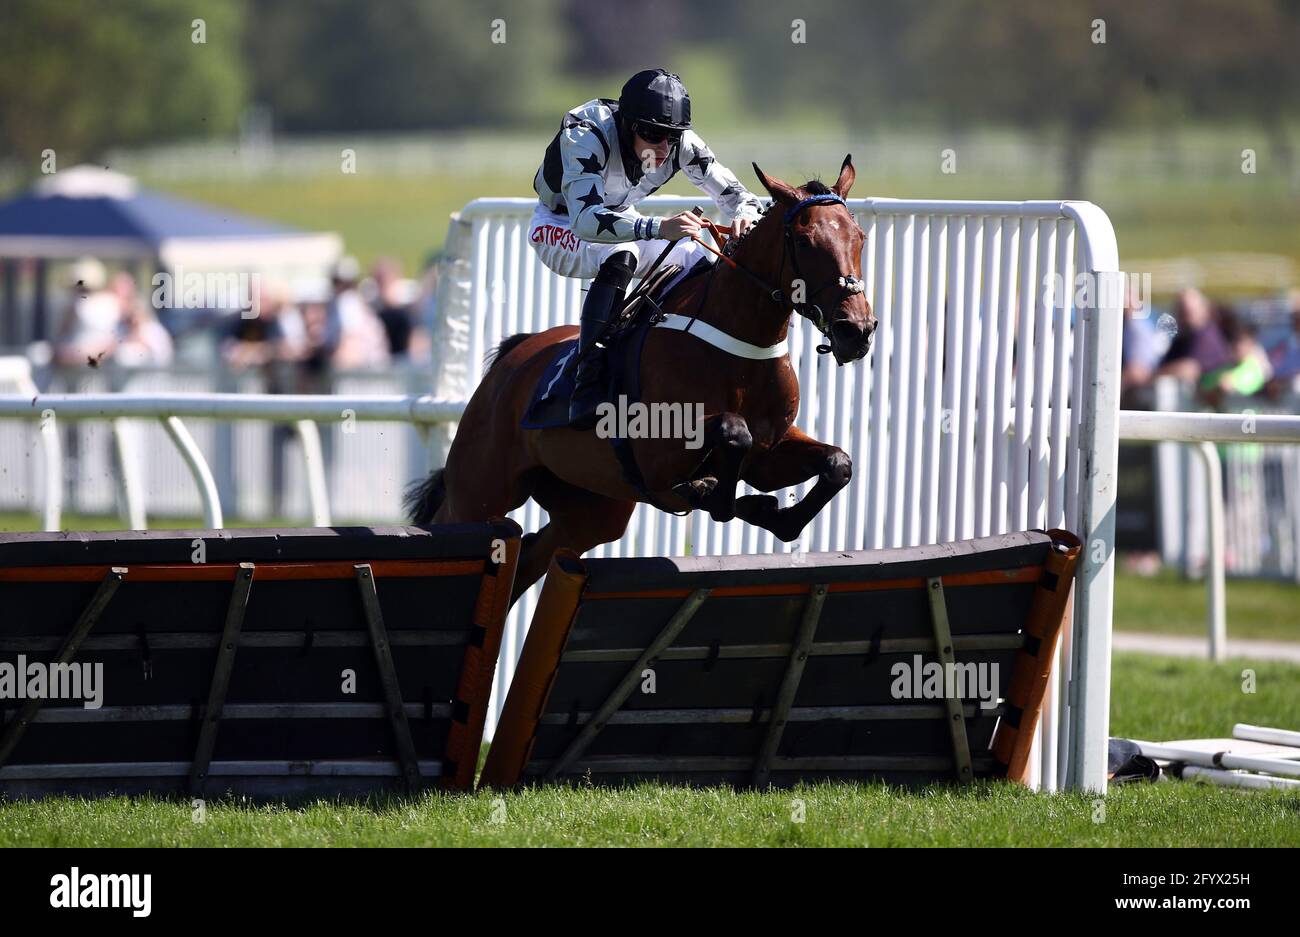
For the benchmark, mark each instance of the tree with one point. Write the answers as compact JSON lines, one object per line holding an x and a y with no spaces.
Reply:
{"x":1086,"y":68}
{"x":400,"y":64}
{"x":79,"y":77}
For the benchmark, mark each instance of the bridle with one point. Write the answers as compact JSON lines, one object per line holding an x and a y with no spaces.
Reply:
{"x":808,"y":309}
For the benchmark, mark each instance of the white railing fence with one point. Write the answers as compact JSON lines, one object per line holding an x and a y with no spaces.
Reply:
{"x":261,"y":470}
{"x":960,"y":421}
{"x":1261,"y":488}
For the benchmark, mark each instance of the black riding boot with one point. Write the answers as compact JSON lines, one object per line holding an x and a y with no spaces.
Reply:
{"x":603,"y":298}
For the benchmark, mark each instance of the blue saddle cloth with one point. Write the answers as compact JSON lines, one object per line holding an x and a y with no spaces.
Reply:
{"x":549,"y":406}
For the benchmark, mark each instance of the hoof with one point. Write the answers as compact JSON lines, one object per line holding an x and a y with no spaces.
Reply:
{"x":757,"y":509}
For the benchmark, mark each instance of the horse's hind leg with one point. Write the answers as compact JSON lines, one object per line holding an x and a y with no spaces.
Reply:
{"x":476,"y":494}
{"x":579,"y":521}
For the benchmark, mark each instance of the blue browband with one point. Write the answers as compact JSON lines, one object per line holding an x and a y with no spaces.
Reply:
{"x":828,"y":199}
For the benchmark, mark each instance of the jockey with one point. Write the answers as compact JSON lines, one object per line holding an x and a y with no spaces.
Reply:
{"x":606,"y":157}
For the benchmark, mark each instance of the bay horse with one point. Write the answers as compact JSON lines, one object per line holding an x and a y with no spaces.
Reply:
{"x":805,"y":249}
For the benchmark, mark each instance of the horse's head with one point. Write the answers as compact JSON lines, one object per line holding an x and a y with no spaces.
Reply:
{"x":821,"y":267}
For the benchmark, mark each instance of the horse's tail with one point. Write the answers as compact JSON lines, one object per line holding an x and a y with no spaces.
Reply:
{"x":423,"y":498}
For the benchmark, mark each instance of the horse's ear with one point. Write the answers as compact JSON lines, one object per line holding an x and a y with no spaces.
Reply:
{"x":847,"y":175}
{"x":776,"y":188}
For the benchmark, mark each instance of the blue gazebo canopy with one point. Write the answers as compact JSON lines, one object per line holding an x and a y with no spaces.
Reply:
{"x":88,"y":211}
{"x":147,"y":217}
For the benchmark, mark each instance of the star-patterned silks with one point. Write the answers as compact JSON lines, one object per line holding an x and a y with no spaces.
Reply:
{"x":590,"y":163}
{"x":605,"y":222}
{"x":591,"y":198}
{"x":702,"y":159}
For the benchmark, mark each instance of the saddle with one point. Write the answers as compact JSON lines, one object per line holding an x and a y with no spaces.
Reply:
{"x":549,"y":406}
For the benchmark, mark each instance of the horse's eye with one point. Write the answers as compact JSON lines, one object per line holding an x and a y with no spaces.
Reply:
{"x":803,"y":242}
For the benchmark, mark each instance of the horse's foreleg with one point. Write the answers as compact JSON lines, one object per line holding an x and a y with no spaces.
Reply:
{"x":727,"y":440}
{"x":796,"y":458}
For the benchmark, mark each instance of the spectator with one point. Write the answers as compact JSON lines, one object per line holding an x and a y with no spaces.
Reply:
{"x":393,"y":306}
{"x":273,"y":338}
{"x":1249,"y":368}
{"x":1285,"y":356}
{"x":1141,"y":354}
{"x":1199,"y":346}
{"x":89,"y":330}
{"x":141,"y":341}
{"x":353,"y":336}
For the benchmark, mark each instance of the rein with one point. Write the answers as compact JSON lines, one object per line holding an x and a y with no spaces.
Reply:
{"x":810,"y":311}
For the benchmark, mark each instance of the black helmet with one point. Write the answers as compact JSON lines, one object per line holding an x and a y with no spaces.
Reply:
{"x":655,"y":97}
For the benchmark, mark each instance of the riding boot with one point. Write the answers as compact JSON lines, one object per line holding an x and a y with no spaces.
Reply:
{"x":603,"y":299}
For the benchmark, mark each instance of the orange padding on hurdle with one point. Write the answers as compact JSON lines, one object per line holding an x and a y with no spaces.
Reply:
{"x":1031,"y":672}
{"x":535,"y":674}
{"x":478,"y":669}
{"x":1024,"y":574}
{"x":225,"y":572}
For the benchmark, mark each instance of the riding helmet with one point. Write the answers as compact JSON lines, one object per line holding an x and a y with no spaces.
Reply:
{"x":656,"y":97}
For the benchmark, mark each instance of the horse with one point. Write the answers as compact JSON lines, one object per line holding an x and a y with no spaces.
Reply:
{"x":804,"y":246}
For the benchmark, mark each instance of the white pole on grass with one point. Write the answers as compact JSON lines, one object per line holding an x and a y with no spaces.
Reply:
{"x":1264,"y":734}
{"x":1220,"y":759}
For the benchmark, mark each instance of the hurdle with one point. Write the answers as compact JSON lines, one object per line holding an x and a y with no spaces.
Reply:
{"x":988,"y":405}
{"x":774,"y":670}
{"x":267,"y":663}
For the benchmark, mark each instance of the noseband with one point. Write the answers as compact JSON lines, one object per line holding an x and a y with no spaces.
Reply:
{"x":850,"y":284}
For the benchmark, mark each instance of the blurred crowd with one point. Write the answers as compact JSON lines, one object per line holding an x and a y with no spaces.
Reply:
{"x":1211,"y":348}
{"x":379,"y":320}
{"x":357,"y":322}
{"x":107,"y":318}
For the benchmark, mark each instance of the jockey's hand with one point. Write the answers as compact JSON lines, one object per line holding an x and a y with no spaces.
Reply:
{"x":742,"y":224}
{"x":684,"y":225}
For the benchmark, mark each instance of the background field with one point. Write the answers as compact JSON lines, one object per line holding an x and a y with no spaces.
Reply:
{"x":1178,"y":197}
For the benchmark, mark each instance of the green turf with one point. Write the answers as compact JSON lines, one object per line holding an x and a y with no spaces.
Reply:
{"x":1170,"y":604}
{"x":988,"y":814}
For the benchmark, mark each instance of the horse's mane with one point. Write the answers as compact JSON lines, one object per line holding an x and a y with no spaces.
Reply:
{"x":507,"y":345}
{"x":812,"y":187}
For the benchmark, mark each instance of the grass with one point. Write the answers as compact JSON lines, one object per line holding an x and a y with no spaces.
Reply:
{"x":1163,"y":698}
{"x":1151,"y":698}
{"x":1169,"y":604}
{"x":986,"y":814}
